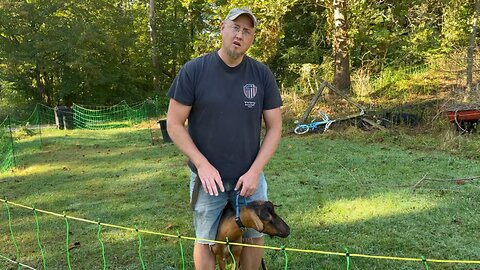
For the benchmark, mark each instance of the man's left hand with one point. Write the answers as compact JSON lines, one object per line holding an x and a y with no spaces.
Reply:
{"x":248,"y":184}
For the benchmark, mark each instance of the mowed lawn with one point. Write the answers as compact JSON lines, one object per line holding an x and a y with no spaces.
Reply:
{"x":336,"y":192}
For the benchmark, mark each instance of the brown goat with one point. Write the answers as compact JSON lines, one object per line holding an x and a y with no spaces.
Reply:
{"x":259,"y":215}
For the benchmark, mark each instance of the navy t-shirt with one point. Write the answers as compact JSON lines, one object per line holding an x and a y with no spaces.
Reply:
{"x":227,"y":104}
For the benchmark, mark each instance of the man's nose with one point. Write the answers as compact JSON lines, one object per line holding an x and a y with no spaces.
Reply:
{"x":239,"y":34}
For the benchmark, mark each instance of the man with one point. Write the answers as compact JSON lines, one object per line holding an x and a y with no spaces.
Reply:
{"x":225,"y":95}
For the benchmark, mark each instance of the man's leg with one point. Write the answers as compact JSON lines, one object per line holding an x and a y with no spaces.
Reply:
{"x":206,"y":216}
{"x":251,"y":257}
{"x":203,"y":257}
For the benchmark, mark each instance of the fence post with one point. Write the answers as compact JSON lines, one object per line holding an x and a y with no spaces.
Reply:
{"x":12,"y":142}
{"x":37,"y":225}
{"x":17,"y":250}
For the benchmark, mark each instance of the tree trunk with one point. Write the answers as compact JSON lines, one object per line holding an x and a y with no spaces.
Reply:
{"x":40,"y":85}
{"x":152,"y":28}
{"x":174,"y":48}
{"x":471,"y":47}
{"x":341,"y":79}
{"x":44,"y":86}
{"x":48,"y":88}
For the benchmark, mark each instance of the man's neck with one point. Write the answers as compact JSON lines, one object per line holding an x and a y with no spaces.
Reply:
{"x":228,"y":60}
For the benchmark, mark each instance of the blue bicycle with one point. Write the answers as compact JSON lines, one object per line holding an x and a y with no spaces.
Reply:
{"x":314,"y":125}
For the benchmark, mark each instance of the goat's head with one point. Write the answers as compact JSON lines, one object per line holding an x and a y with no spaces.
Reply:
{"x":262,"y":217}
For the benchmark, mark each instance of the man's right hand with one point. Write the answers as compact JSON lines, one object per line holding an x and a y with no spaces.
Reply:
{"x":210,"y":178}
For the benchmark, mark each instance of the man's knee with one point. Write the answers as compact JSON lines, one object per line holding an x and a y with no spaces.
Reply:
{"x":203,"y":256}
{"x":203,"y":247}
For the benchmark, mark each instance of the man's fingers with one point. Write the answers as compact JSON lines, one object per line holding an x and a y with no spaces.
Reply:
{"x":247,"y":191}
{"x":220,"y":184}
{"x":206,"y":186}
{"x":239,"y":185}
{"x":244,"y":191}
{"x":210,"y":187}
{"x":213,"y":188}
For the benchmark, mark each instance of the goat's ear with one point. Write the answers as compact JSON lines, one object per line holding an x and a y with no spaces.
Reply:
{"x":254,"y":221}
{"x":277,"y":205}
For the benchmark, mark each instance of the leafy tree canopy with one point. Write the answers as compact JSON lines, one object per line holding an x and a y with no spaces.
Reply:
{"x":100,"y":52}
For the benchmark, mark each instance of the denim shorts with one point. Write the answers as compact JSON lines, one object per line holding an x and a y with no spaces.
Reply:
{"x":208,"y":209}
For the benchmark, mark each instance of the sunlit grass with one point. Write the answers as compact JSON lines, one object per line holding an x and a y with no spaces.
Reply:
{"x":363,"y":209}
{"x":35,"y":169}
{"x":114,"y":235}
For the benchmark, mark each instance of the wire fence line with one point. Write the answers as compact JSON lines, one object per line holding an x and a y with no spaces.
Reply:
{"x":7,"y":159}
{"x":75,"y":117}
{"x":16,"y":263}
{"x":421,"y":259}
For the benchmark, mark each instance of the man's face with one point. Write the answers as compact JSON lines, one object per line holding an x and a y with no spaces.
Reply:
{"x":237,"y":36}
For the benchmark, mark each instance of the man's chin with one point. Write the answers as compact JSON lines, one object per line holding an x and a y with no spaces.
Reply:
{"x":235,"y":54}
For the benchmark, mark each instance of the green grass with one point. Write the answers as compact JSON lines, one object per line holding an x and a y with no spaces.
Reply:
{"x":337,"y":190}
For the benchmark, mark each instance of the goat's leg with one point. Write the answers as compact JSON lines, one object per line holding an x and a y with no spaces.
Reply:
{"x":264,"y":265}
{"x":219,"y":251}
{"x":236,"y":251}
{"x":221,"y":262}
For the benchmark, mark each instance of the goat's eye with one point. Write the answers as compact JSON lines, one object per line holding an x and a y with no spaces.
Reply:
{"x":269,"y":218}
{"x":264,"y":215}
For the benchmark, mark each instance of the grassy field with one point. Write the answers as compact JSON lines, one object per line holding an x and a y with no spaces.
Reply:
{"x":351,"y":189}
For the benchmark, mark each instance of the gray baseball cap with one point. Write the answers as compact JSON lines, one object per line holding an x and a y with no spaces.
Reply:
{"x":236,"y":12}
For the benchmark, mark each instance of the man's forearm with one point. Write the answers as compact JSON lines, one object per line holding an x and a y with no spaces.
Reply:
{"x":267,"y":149}
{"x":184,"y":142}
{"x":273,"y":123}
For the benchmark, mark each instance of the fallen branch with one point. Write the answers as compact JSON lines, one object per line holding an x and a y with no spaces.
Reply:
{"x":439,"y":189}
{"x":421,"y":180}
{"x":459,"y":181}
{"x":455,"y":179}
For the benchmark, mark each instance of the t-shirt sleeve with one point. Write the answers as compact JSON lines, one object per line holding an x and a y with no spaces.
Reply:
{"x":182,"y":88}
{"x":273,"y":98}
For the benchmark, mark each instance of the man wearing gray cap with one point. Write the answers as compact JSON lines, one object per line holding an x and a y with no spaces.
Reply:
{"x":225,"y":95}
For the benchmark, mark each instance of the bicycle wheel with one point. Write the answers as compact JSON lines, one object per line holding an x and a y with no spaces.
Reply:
{"x":301,"y":129}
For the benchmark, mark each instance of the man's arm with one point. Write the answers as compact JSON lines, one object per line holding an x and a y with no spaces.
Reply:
{"x":249,"y":181}
{"x":176,"y":117}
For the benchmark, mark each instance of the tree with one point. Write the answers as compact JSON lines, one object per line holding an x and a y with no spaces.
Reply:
{"x":152,"y":28}
{"x":341,"y":79}
{"x":471,"y":47}
{"x":303,"y":44}
{"x":101,"y":52}
{"x":58,"y":52}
